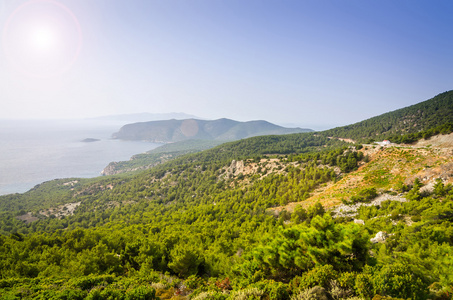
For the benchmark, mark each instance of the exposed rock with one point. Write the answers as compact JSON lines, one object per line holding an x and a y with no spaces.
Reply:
{"x":110,"y":169}
{"x":428,"y":188}
{"x":358,"y":221}
{"x":441,"y":140}
{"x":236,"y":167}
{"x":380,"y":237}
{"x":343,"y":210}
{"x":71,"y":183}
{"x":61,"y":211}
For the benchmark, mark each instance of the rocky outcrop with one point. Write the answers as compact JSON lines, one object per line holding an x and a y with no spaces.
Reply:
{"x":110,"y":169}
{"x":61,"y":211}
{"x":380,"y":237}
{"x":236,"y":168}
{"x":351,"y":210}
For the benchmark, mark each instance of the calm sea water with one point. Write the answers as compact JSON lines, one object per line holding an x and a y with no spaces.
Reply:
{"x":36,"y":151}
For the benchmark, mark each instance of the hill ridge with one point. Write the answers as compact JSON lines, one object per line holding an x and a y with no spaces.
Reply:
{"x":169,"y":131}
{"x":411,"y":119}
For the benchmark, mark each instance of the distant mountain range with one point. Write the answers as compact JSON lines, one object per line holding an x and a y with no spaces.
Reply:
{"x":169,"y":131}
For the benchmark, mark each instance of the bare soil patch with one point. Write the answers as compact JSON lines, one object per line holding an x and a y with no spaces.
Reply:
{"x":389,"y":166}
{"x":441,"y":141}
{"x":27,"y":218}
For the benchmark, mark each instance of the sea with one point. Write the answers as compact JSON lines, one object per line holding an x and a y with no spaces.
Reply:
{"x":32,"y":152}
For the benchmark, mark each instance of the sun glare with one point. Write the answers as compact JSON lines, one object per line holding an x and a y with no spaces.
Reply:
{"x":42,"y":38}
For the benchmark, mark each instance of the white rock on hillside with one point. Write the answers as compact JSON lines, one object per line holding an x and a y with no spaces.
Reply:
{"x":380,"y":237}
{"x":343,"y":210}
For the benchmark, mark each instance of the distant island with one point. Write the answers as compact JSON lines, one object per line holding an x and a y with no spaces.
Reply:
{"x":170,"y":131}
{"x":90,"y":140}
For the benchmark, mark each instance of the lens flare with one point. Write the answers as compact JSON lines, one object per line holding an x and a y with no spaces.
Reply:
{"x":42,"y":38}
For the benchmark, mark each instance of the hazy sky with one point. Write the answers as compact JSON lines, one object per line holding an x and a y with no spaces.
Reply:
{"x":314,"y":63}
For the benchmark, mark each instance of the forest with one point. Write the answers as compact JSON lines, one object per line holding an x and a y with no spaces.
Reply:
{"x":409,"y":120}
{"x":215,"y":225}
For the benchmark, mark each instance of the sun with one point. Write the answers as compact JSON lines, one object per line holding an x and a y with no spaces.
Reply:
{"x":42,"y":38}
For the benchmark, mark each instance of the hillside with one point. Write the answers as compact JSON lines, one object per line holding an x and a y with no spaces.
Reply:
{"x":405,"y":125}
{"x":158,"y":156}
{"x":389,"y":169}
{"x":121,"y":232}
{"x":298,"y":216}
{"x":252,"y":147}
{"x":178,"y":130}
{"x":409,"y":120}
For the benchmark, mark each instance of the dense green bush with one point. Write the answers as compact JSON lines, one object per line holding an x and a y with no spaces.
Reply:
{"x":320,"y":275}
{"x":364,"y":196}
{"x":400,"y":280}
{"x":141,"y":293}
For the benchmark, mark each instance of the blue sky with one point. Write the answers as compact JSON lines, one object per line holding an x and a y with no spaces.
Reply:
{"x":316,"y":63}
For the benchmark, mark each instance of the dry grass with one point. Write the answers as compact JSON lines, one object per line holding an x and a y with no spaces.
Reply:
{"x":388,"y":167}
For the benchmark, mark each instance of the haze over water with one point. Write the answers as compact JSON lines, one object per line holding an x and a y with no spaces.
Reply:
{"x":32,"y":152}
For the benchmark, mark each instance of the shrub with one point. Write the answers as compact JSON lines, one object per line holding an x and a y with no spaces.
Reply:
{"x":88,"y":282}
{"x":364,"y":195}
{"x":273,"y":289}
{"x":346,"y":279}
{"x":364,"y":285}
{"x":141,"y":293}
{"x":337,"y":291}
{"x":194,"y":282}
{"x":210,"y":296}
{"x":185,"y":260}
{"x":379,"y":297}
{"x":399,"y":280}
{"x":224,"y":284}
{"x":315,"y":292}
{"x":74,"y":295}
{"x":416,"y":218}
{"x":318,"y":276}
{"x":247,"y":294}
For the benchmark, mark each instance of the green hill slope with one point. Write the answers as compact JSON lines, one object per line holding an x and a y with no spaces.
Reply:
{"x":405,"y":125}
{"x":158,"y":156}
{"x":416,"y":118}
